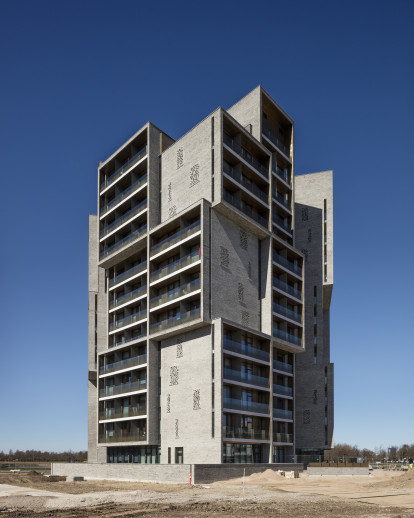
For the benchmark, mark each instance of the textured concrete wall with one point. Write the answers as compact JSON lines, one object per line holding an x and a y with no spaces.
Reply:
{"x":186,"y":397}
{"x":310,"y":192}
{"x":337,"y":471}
{"x":133,"y":472}
{"x":208,"y":473}
{"x":186,"y":168}
{"x":169,"y":473}
{"x":234,"y":258}
{"x":97,"y":317}
{"x":154,"y":152}
{"x":248,"y":111}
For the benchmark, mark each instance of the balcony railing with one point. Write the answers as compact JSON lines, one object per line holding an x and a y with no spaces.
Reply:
{"x":281,"y":199}
{"x":123,"y":388}
{"x":278,"y":143}
{"x":243,"y":180}
{"x":129,"y":273}
{"x":277,"y":220}
{"x":175,"y":293}
{"x":283,"y":286}
{"x":282,"y":366}
{"x":282,"y":414}
{"x":281,"y":389}
{"x":245,"y":348}
{"x":129,"y":214}
{"x":118,"y":437}
{"x":176,"y":265}
{"x":290,"y":265}
{"x":130,"y":237}
{"x":282,"y":437}
{"x":288,"y":337}
{"x":281,"y":310}
{"x":231,"y":432}
{"x":127,"y":297}
{"x":241,"y":205}
{"x":119,"y":414}
{"x":247,"y":406}
{"x":233,"y":375}
{"x":120,"y":171}
{"x":178,"y":318}
{"x":176,"y":237}
{"x":282,"y":173}
{"x":124,"y":194}
{"x":124,"y":341}
{"x":123,"y":364}
{"x":245,"y":154}
{"x":130,"y":319}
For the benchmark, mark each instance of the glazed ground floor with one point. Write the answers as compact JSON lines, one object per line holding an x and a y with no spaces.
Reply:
{"x":232,"y":453}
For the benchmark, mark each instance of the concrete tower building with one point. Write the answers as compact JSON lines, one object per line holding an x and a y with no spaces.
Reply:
{"x":210,"y":279}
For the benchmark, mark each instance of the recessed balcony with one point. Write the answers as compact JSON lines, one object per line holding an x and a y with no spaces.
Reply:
{"x":124,"y":388}
{"x":175,"y":320}
{"x":244,"y":207}
{"x":123,"y":219}
{"x":283,"y":174}
{"x":282,"y":200}
{"x":276,"y":141}
{"x":282,"y":390}
{"x":242,"y":180}
{"x":133,"y":295}
{"x":287,"y":337}
{"x":245,"y":349}
{"x":129,"y":191}
{"x":175,"y":238}
{"x":286,"y":288}
{"x":123,"y":169}
{"x":246,"y":378}
{"x":283,"y":437}
{"x":128,"y":320}
{"x":282,"y":414}
{"x":126,"y":412}
{"x":286,"y":263}
{"x":281,"y":223}
{"x":282,"y":366}
{"x":123,"y":242}
{"x":263,"y":170}
{"x":120,"y":437}
{"x":282,"y":310}
{"x":176,"y":293}
{"x":232,"y":432}
{"x":175,"y":266}
{"x":122,"y":340}
{"x":245,"y":406}
{"x":135,"y":361}
{"x":128,"y":274}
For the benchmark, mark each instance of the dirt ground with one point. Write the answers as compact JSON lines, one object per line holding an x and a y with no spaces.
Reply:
{"x":384,"y":494}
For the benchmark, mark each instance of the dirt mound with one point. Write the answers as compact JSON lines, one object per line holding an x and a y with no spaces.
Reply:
{"x":268,"y":476}
{"x":32,"y":479}
{"x":399,"y":481}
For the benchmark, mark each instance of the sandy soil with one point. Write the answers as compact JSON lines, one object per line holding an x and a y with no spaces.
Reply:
{"x":385,"y":494}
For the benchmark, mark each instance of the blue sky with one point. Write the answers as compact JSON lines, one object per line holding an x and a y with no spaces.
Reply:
{"x":79,"y":78}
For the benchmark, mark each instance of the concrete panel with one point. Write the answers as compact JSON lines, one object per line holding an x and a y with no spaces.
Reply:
{"x":337,"y":471}
{"x":178,"y":474}
{"x":186,"y":401}
{"x":234,"y":258}
{"x":186,"y":169}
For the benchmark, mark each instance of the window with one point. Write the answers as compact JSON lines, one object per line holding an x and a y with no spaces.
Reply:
{"x":179,"y":455}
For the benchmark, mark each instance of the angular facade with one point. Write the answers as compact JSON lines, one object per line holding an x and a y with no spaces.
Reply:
{"x":208,"y":304}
